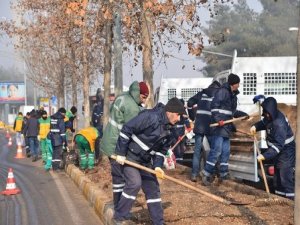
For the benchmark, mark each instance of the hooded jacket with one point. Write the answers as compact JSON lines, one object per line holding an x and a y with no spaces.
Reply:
{"x":146,"y":138}
{"x":124,"y":108}
{"x":280,"y":137}
{"x":203,"y":100}
{"x":223,"y":107}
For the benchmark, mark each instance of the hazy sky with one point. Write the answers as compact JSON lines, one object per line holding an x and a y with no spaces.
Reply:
{"x":173,"y":68}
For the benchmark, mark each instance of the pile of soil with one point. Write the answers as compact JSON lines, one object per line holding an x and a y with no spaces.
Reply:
{"x":288,"y":110}
{"x":184,"y":206}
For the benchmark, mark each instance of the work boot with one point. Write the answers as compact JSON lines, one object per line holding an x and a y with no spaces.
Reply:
{"x":194,"y":178}
{"x":226,"y":177}
{"x":206,"y":180}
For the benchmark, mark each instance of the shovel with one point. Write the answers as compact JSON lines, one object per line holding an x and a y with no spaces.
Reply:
{"x":212,"y":196}
{"x":262,"y":167}
{"x":235,"y":119}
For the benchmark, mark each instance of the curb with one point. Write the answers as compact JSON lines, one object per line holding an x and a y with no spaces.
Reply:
{"x":96,"y":197}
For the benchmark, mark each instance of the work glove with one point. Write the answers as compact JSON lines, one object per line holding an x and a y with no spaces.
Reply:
{"x":260,"y":158}
{"x":188,"y":129}
{"x":221,"y":123}
{"x":159,"y":173}
{"x":39,"y":137}
{"x":120,"y":159}
{"x":253,"y":130}
{"x":190,"y":135}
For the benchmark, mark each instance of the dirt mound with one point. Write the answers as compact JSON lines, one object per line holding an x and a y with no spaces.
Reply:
{"x":288,"y":110}
{"x":184,"y":206}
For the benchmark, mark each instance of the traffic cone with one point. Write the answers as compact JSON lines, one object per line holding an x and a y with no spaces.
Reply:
{"x":19,"y":154}
{"x":7,"y":135}
{"x":9,"y":142}
{"x":11,"y":188}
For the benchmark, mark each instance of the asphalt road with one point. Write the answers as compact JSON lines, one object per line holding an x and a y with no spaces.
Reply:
{"x":46,"y":198}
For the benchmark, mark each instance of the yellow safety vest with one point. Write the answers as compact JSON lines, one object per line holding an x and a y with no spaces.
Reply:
{"x":91,"y":135}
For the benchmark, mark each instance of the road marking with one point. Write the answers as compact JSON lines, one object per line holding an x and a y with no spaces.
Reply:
{"x":77,"y":220}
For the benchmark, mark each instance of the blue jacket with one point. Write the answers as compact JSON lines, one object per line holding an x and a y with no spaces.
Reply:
{"x":146,"y":138}
{"x":280,"y":137}
{"x":223,"y":107}
{"x":203,"y":100}
{"x":57,"y":133}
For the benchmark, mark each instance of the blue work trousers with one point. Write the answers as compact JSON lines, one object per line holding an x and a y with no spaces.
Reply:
{"x":197,"y":154}
{"x":135,"y":180}
{"x":118,"y":181}
{"x":34,"y":146}
{"x":220,"y":150}
{"x":284,"y":182}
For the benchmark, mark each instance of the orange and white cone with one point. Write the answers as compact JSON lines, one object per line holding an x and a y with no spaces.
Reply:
{"x":11,"y":188}
{"x":9,"y":142}
{"x":7,"y":134}
{"x":19,"y":154}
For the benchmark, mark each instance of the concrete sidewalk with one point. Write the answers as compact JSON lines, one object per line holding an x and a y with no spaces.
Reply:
{"x":101,"y":203}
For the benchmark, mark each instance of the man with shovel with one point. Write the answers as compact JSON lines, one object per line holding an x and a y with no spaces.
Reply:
{"x":223,"y":107}
{"x":281,"y":146}
{"x":145,"y":140}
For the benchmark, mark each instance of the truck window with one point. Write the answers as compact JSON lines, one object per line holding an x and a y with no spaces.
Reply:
{"x":280,"y":83}
{"x":186,"y":93}
{"x":249,"y":84}
{"x":171,"y":93}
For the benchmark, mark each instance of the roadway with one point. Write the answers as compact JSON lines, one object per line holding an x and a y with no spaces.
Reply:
{"x":46,"y":198}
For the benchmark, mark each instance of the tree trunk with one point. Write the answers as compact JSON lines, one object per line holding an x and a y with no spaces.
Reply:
{"x":147,"y":56}
{"x":107,"y":71}
{"x":61,"y":87}
{"x":118,"y":62}
{"x":74,"y":86}
{"x":86,"y":80}
{"x":74,"y":80}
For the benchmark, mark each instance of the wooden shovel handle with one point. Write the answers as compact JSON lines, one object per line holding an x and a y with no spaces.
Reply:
{"x":262,"y":167}
{"x":212,"y":196}
{"x":229,"y":121}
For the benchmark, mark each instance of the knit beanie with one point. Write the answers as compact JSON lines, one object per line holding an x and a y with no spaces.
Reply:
{"x":175,"y":105}
{"x":62,"y":110}
{"x":233,"y":79}
{"x":73,"y":109}
{"x":144,"y":89}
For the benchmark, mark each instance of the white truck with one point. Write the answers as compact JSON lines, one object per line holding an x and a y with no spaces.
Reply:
{"x":270,"y":76}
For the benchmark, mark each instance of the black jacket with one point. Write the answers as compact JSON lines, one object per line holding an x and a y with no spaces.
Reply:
{"x":146,"y":138}
{"x":203,"y":101}
{"x":280,"y":137}
{"x":57,"y":133}
{"x":31,"y":128}
{"x":223,"y":107}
